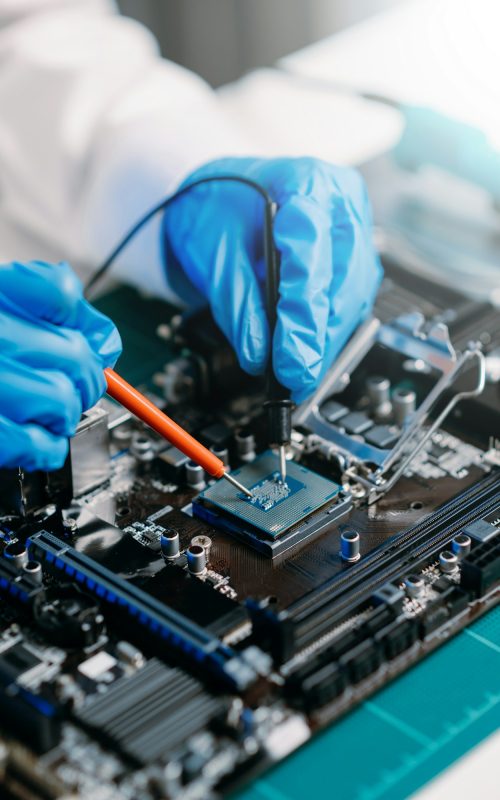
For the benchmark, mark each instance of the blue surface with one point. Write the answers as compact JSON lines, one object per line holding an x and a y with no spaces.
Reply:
{"x":404,"y":735}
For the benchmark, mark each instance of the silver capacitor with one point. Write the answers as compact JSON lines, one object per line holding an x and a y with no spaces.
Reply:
{"x":195,"y":476}
{"x":34,"y":570}
{"x":203,"y":541}
{"x":130,"y":654}
{"x":222,"y":453}
{"x":404,"y":402}
{"x":245,"y":445}
{"x":169,"y":543}
{"x":196,"y":559}
{"x":17,"y":553}
{"x":349,"y":545}
{"x":414,"y":585}
{"x":379,"y":390}
{"x":461,"y":545}
{"x":141,"y":446}
{"x":448,"y":562}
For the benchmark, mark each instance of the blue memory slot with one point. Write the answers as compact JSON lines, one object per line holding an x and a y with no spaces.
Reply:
{"x":171,"y":626}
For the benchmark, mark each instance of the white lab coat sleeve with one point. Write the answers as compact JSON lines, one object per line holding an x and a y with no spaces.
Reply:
{"x":95,"y":128}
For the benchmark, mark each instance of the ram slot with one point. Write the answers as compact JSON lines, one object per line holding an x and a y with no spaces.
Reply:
{"x":314,"y":615}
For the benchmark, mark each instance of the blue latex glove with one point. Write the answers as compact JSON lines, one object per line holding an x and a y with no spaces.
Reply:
{"x":213,"y":240}
{"x":53,"y":349}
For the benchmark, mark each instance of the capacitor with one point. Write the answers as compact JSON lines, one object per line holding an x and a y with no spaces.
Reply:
{"x":349,"y":545}
{"x":195,"y":476}
{"x":203,"y":541}
{"x":379,"y":390}
{"x":130,"y":654}
{"x":169,"y":543}
{"x":69,"y":527}
{"x":461,"y":545}
{"x":245,"y":445}
{"x":122,"y":435}
{"x":141,"y":447}
{"x":222,"y":453}
{"x":34,"y":570}
{"x":17,"y":553}
{"x":196,"y":559}
{"x":414,"y":585}
{"x":448,"y":562}
{"x":403,"y":405}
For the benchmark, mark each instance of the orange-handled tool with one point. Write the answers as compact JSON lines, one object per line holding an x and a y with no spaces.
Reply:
{"x":146,"y":411}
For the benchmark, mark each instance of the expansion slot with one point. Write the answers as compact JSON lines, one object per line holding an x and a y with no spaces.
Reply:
{"x":175,"y":630}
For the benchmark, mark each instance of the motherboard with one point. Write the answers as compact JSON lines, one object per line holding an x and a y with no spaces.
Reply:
{"x":165,"y":637}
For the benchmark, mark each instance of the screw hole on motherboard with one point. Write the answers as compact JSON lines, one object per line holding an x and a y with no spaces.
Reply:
{"x":123,"y":511}
{"x":416,"y":505}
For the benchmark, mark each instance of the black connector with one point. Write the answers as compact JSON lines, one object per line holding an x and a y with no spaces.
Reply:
{"x":279,"y":405}
{"x":280,"y":421}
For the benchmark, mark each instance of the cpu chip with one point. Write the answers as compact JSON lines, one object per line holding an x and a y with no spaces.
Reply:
{"x":276,"y":506}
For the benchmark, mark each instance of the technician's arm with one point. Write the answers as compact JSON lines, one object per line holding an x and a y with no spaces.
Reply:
{"x":95,"y":128}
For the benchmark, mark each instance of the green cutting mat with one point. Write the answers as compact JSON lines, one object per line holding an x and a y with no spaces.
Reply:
{"x":404,"y":735}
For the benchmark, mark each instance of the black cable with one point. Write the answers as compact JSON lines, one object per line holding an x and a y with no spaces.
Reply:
{"x":279,"y":405}
{"x":100,"y":271}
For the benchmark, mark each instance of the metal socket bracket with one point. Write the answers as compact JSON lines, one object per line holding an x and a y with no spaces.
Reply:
{"x":377,"y":470}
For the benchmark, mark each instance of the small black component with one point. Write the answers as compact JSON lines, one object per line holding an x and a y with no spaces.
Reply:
{"x":396,"y":637}
{"x":435,"y":615}
{"x":216,"y":436}
{"x":16,"y":661}
{"x":333,"y":411}
{"x":435,"y":452}
{"x":457,"y":600}
{"x":379,"y":617}
{"x":343,"y":643}
{"x":68,"y":617}
{"x":317,"y":688}
{"x":151,"y":714}
{"x":481,"y":568}
{"x":452,"y":596}
{"x":356,"y":422}
{"x":481,"y":530}
{"x":383,"y":436}
{"x":390,"y":595}
{"x":170,"y":464}
{"x":441,"y":585}
{"x":361,"y":661}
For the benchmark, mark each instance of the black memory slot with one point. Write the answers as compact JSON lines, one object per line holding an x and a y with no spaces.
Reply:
{"x":319,"y":611}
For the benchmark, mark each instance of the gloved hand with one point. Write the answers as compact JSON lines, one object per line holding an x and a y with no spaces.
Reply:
{"x":213,"y":245}
{"x":53,"y":349}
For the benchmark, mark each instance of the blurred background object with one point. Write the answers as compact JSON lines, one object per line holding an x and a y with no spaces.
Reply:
{"x":223,"y":39}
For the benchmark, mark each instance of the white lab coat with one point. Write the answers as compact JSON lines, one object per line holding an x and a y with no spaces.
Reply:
{"x":95,"y":128}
